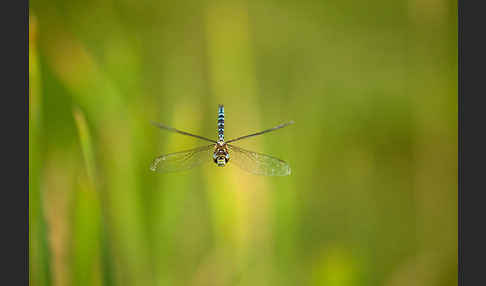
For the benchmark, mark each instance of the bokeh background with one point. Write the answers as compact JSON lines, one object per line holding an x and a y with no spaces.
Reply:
{"x":371,"y":85}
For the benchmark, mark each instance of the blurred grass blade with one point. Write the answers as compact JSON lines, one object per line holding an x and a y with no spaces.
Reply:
{"x":86,"y":145}
{"x":86,"y":267}
{"x":39,"y":262}
{"x":91,"y":253}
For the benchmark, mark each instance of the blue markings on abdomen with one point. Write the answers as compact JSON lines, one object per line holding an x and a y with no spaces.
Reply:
{"x":221,"y":122}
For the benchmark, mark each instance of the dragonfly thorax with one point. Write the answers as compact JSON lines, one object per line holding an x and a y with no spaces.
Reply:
{"x":221,"y":154}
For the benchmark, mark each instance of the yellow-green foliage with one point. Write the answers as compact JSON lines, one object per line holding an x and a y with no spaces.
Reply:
{"x":372,"y":195}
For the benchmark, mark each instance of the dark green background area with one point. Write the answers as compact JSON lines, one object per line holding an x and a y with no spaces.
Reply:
{"x":371,"y":85}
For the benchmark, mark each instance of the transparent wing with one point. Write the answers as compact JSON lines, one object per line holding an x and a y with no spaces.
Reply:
{"x":183,"y":160}
{"x":262,"y":132}
{"x":257,"y":163}
{"x":162,"y":126}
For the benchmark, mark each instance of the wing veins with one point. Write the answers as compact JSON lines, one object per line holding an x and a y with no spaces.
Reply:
{"x":258,"y":163}
{"x":185,"y":159}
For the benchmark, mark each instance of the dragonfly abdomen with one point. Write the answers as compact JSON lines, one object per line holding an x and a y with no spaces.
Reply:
{"x":221,"y":122}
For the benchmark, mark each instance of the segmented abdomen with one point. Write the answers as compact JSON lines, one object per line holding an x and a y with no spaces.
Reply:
{"x":221,"y":122}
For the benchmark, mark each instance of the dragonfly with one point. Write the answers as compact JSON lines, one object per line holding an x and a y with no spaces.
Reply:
{"x":221,"y":152}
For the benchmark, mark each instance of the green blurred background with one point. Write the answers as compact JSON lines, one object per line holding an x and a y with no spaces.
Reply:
{"x":371,"y":85}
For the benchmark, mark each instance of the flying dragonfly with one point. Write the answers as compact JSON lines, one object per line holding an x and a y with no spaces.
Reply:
{"x":221,"y":152}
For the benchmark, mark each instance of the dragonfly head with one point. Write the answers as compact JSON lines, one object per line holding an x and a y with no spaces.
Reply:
{"x":221,"y":155}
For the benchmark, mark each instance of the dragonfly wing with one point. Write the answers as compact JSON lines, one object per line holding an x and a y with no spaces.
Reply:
{"x":257,"y":163}
{"x":183,"y":160}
